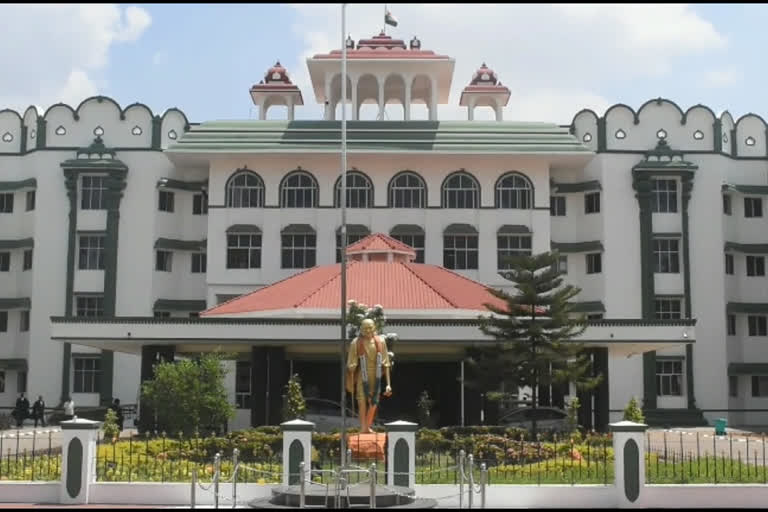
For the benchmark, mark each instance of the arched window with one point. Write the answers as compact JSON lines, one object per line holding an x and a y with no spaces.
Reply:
{"x":514,"y":190}
{"x":245,"y":189}
{"x":407,"y":190}
{"x":359,"y":191}
{"x":298,"y":190}
{"x":461,"y":190}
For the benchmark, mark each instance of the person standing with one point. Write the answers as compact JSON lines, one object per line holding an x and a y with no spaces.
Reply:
{"x":21,"y":411}
{"x":38,"y":411}
{"x":69,"y":408}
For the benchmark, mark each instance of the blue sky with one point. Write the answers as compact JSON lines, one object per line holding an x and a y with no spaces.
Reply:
{"x":203,"y":58}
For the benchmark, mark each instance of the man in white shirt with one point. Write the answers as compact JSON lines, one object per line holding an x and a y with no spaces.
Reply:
{"x":69,"y":409}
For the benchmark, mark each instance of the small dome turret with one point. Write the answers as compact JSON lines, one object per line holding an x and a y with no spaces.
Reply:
{"x":484,"y":76}
{"x":277,"y":74}
{"x":276,"y":89}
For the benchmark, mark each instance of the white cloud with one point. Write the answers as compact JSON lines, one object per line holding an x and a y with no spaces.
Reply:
{"x":721,"y":77}
{"x":553,"y":57}
{"x":59,"y":50}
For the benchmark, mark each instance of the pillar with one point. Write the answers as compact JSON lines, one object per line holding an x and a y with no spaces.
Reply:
{"x":407,"y":101}
{"x":471,"y":109}
{"x":381,"y":100}
{"x":432,"y":99}
{"x":151,"y":355}
{"x":276,"y":384}
{"x":297,"y":448}
{"x":401,"y":453}
{"x":328,"y":113}
{"x":499,"y":111}
{"x":258,"y":386}
{"x":290,"y":109}
{"x":78,"y":460}
{"x":629,"y":462}
{"x":602,"y":403}
{"x":353,"y":103}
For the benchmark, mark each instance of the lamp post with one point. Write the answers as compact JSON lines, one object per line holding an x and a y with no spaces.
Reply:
{"x":343,"y":201}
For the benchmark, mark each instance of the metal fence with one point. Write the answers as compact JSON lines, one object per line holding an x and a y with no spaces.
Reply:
{"x":698,"y":457}
{"x":29,"y":455}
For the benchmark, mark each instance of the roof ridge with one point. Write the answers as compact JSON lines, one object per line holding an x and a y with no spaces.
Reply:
{"x":259,"y":289}
{"x":326,"y":283}
{"x":408,"y":266}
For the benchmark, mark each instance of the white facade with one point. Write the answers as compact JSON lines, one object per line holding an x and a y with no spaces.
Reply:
{"x":618,"y":140}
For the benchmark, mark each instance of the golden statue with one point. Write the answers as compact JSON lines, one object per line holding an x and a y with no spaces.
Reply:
{"x":367,"y":359}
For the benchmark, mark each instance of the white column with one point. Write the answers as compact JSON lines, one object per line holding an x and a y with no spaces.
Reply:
{"x":405,"y":431}
{"x":381,"y":97}
{"x":262,"y":110}
{"x":353,"y":102}
{"x":629,"y":462}
{"x":301,"y":432}
{"x":499,"y":111}
{"x":407,"y":102}
{"x":433,"y":99}
{"x":290,"y":109}
{"x":471,"y":109}
{"x":78,"y":460}
{"x":328,"y":111}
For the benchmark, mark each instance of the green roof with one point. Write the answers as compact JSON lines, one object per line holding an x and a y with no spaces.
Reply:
{"x":378,"y":136}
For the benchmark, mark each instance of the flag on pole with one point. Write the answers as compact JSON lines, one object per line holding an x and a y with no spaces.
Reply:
{"x":389,"y":19}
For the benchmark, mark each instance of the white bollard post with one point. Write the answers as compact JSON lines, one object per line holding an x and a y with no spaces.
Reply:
{"x":629,"y":462}
{"x":401,"y":453}
{"x":461,"y":478}
{"x":78,"y":460}
{"x":297,"y":447}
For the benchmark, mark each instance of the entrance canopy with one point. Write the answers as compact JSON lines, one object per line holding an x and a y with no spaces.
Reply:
{"x":419,"y":337}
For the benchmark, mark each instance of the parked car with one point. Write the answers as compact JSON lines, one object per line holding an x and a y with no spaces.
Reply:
{"x":547,"y":419}
{"x":326,"y":415}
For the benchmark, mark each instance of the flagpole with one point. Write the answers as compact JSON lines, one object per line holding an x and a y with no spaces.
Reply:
{"x":343,"y":201}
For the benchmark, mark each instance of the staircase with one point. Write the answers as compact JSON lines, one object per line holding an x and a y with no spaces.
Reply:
{"x":674,"y":418}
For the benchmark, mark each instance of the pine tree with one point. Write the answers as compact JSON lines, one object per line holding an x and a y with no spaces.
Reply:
{"x":534,"y":331}
{"x":295,"y":406}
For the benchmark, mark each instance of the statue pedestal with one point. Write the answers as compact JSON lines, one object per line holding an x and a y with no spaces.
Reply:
{"x":367,"y":446}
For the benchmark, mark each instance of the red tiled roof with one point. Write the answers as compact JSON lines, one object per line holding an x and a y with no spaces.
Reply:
{"x":394,"y":285}
{"x":378,"y":242}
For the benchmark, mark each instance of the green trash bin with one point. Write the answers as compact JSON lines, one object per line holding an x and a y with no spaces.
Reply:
{"x":720,"y":424}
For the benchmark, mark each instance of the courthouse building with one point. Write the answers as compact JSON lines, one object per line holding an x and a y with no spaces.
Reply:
{"x":108,"y":216}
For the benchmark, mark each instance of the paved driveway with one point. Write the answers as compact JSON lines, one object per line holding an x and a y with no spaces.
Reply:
{"x":702,"y":440}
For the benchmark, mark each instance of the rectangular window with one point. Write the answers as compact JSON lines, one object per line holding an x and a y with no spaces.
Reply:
{"x":30,"y":200}
{"x":6,"y":202}
{"x":162,"y":314}
{"x":460,"y":252}
{"x":3,"y":321}
{"x":92,"y":305}
{"x":562,"y":264}
{"x":165,"y":201}
{"x":669,"y":378}
{"x":594,"y":263}
{"x":163,"y":261}
{"x":753,"y":207}
{"x":664,"y":198}
{"x":759,"y":385}
{"x":757,"y":325}
{"x":243,"y":385}
{"x":731,"y":325}
{"x":87,"y":375}
{"x":592,"y":202}
{"x":199,"y":205}
{"x":92,"y":197}
{"x":199,"y":262}
{"x":666,"y":253}
{"x":415,"y":241}
{"x":755,"y":266}
{"x":733,"y":385}
{"x":727,"y":204}
{"x":729,"y":264}
{"x":243,"y":251}
{"x":509,"y":246}
{"x":2,"y":382}
{"x":24,"y":324}
{"x":27,"y":259}
{"x":557,"y":206}
{"x":299,"y":251}
{"x":21,"y":382}
{"x":5,"y":262}
{"x":91,"y":256}
{"x":668,"y":309}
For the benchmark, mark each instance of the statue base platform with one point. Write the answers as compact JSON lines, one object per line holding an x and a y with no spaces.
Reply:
{"x":370,"y":446}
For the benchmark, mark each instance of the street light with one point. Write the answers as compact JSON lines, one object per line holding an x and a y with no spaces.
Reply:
{"x":343,"y":201}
